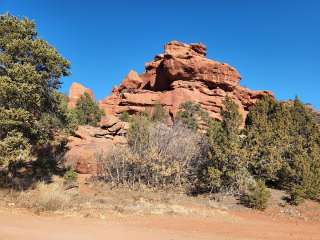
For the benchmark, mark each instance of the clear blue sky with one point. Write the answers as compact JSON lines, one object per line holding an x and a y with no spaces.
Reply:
{"x":274,"y":44}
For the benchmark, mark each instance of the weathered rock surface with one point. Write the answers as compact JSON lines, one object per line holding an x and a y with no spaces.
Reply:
{"x":76,"y":91}
{"x":88,"y":142}
{"x":182,"y":73}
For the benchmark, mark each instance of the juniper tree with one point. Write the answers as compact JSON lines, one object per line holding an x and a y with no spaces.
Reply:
{"x":302,"y":158}
{"x":266,"y":138}
{"x":87,"y":111}
{"x":30,"y":72}
{"x":190,"y":114}
{"x":283,"y":146}
{"x":227,"y":170}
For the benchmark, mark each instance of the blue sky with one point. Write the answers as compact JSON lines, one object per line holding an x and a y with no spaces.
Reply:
{"x":274,"y":44}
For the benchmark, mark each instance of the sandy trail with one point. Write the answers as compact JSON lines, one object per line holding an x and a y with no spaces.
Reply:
{"x":22,"y":225}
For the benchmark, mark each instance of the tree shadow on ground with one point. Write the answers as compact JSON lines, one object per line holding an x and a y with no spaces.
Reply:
{"x":24,"y":175}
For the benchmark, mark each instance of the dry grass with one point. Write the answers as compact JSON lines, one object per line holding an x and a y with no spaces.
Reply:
{"x":99,"y":200}
{"x":48,"y":197}
{"x":123,"y":201}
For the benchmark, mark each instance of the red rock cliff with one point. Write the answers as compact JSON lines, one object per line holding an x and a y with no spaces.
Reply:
{"x":181,"y":73}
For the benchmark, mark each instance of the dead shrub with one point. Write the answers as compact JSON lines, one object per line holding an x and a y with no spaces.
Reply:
{"x":163,"y":160}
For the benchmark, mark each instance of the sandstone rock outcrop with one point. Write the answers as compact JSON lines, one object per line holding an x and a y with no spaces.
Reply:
{"x":87,"y":142}
{"x":75,"y":92}
{"x":182,"y":73}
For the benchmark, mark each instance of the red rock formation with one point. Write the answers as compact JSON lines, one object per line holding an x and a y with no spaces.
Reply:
{"x":76,"y":91}
{"x":89,"y":141}
{"x":182,"y":73}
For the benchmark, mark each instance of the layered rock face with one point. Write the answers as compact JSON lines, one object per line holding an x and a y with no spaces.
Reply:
{"x":76,"y":91}
{"x":88,"y":142}
{"x":182,"y":73}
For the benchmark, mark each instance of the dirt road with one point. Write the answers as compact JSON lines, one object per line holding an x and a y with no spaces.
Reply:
{"x":15,"y":225}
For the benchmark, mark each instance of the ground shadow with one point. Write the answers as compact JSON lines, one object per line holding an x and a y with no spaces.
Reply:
{"x":20,"y":175}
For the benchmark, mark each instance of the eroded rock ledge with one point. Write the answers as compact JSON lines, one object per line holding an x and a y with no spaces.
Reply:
{"x":182,"y":73}
{"x":88,"y":142}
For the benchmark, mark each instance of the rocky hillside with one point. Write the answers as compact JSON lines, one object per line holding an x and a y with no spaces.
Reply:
{"x":181,"y":73}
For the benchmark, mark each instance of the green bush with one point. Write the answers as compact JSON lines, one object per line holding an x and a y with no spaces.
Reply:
{"x":87,"y":111}
{"x":297,"y":195}
{"x":70,"y":176}
{"x":139,"y":133}
{"x":158,"y":113}
{"x":191,"y":114}
{"x":257,"y":197}
{"x":124,"y":116}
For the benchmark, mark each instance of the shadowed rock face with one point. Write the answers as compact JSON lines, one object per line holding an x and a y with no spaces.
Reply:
{"x":182,"y":73}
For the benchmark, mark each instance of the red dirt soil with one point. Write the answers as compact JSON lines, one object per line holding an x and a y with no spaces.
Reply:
{"x":16,"y":225}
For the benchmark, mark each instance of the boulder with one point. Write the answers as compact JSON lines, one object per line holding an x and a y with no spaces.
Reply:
{"x":116,"y":127}
{"x":86,"y":132}
{"x":82,"y":157}
{"x":108,"y":121}
{"x":88,"y":142}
